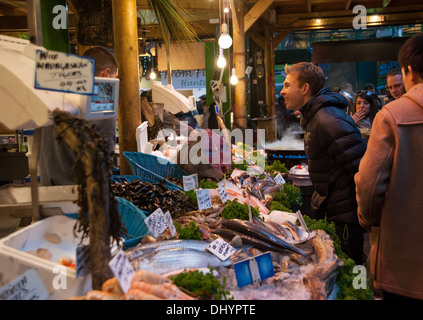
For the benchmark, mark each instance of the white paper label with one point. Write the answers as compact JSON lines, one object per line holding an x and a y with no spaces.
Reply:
{"x":170,"y":224}
{"x":203,"y":199}
{"x":83,"y":264}
{"x":248,"y":70}
{"x":190,"y":182}
{"x":122,"y":269}
{"x":156,"y":223}
{"x":279,"y":179}
{"x":64,"y":72}
{"x":221,"y":249}
{"x":25,"y":287}
{"x":223,"y":194}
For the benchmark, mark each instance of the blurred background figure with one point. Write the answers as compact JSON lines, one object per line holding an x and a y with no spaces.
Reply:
{"x":395,"y":84}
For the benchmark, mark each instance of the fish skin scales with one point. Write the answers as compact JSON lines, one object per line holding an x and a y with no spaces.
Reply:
{"x":135,"y":252}
{"x":261,"y":233}
{"x":165,"y":261}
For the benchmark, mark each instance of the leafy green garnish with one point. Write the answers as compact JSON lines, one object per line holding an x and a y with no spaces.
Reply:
{"x":276,"y":166}
{"x":236,"y":210}
{"x":190,"y":231}
{"x":206,"y":286}
{"x":289,"y":196}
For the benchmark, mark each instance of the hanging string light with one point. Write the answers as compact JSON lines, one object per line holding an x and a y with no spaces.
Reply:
{"x":234,"y":78}
{"x":221,"y":61}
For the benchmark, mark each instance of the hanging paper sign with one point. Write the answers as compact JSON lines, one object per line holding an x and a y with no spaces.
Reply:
{"x":122,"y":269}
{"x":223,"y":194}
{"x":64,"y":72}
{"x":203,"y":199}
{"x":170,"y":224}
{"x":28,"y":286}
{"x":156,"y":223}
{"x":190,"y":182}
{"x":221,"y":249}
{"x":279,"y":179}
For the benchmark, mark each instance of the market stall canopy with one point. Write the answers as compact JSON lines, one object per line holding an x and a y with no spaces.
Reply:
{"x":173,"y":101}
{"x":22,"y":106}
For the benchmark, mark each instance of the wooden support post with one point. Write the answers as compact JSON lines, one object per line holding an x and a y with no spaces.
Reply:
{"x":240,"y":113}
{"x":126,"y":51}
{"x":269,"y":65}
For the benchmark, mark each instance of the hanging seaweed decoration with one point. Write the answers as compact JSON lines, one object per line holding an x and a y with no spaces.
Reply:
{"x":98,"y":218}
{"x":95,"y":22}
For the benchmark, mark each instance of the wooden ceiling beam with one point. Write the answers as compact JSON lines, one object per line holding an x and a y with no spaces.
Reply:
{"x":255,"y":12}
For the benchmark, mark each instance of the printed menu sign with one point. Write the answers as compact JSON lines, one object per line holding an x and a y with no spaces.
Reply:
{"x":64,"y":72}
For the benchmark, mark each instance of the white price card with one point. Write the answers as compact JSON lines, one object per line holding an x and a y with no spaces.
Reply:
{"x":122,"y":269}
{"x":279,"y":179}
{"x":223,"y":194}
{"x":169,"y":222}
{"x":28,"y":286}
{"x":64,"y":72}
{"x":203,"y":199}
{"x":83,"y":262}
{"x":221,"y":249}
{"x":190,"y":182}
{"x":156,"y":223}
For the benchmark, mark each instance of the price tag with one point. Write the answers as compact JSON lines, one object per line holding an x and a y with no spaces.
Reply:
{"x":25,"y":287}
{"x":190,"y":182}
{"x":83,"y":262}
{"x":221,"y":249}
{"x":156,"y":223}
{"x":279,"y":179}
{"x":122,"y":269}
{"x":203,"y":199}
{"x":170,"y":224}
{"x":64,"y":72}
{"x":223,"y":194}
{"x":248,"y":70}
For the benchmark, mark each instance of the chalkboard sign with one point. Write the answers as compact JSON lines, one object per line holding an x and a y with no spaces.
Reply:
{"x":64,"y":72}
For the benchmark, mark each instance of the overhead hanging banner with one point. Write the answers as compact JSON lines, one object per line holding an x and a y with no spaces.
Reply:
{"x":183,"y":56}
{"x":64,"y":72}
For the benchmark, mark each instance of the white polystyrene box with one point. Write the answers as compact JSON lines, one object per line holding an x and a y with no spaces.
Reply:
{"x":142,"y":136}
{"x":15,"y":261}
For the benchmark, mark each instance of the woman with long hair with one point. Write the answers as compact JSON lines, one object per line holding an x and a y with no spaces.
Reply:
{"x":364,"y":109}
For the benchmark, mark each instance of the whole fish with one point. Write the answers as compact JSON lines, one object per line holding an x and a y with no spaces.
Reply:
{"x":228,"y":235}
{"x":142,"y":249}
{"x":165,"y":261}
{"x":261,"y":233}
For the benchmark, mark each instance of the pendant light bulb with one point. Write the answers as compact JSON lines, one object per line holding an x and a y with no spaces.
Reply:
{"x":152,"y":75}
{"x":234,"y":79}
{"x":221,"y":61}
{"x":225,"y":40}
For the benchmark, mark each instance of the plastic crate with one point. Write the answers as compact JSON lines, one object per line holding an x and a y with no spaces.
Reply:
{"x":130,"y":178}
{"x":133,"y":218}
{"x":150,"y":166}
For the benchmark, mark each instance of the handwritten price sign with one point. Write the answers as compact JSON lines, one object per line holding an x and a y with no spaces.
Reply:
{"x":203,"y":199}
{"x":221,"y":249}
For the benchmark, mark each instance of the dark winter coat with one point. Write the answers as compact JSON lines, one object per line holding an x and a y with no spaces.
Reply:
{"x":334,"y":148}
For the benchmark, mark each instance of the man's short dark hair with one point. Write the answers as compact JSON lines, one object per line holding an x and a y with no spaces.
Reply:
{"x":395,"y":72}
{"x":411,"y":54}
{"x":308,"y":72}
{"x":104,"y":59}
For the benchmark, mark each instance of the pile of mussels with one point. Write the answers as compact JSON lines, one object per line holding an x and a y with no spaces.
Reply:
{"x":151,"y":196}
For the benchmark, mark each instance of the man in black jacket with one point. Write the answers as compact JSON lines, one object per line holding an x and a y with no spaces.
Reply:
{"x":334,"y":147}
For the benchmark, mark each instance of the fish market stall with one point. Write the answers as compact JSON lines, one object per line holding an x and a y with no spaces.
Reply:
{"x":254,"y":225}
